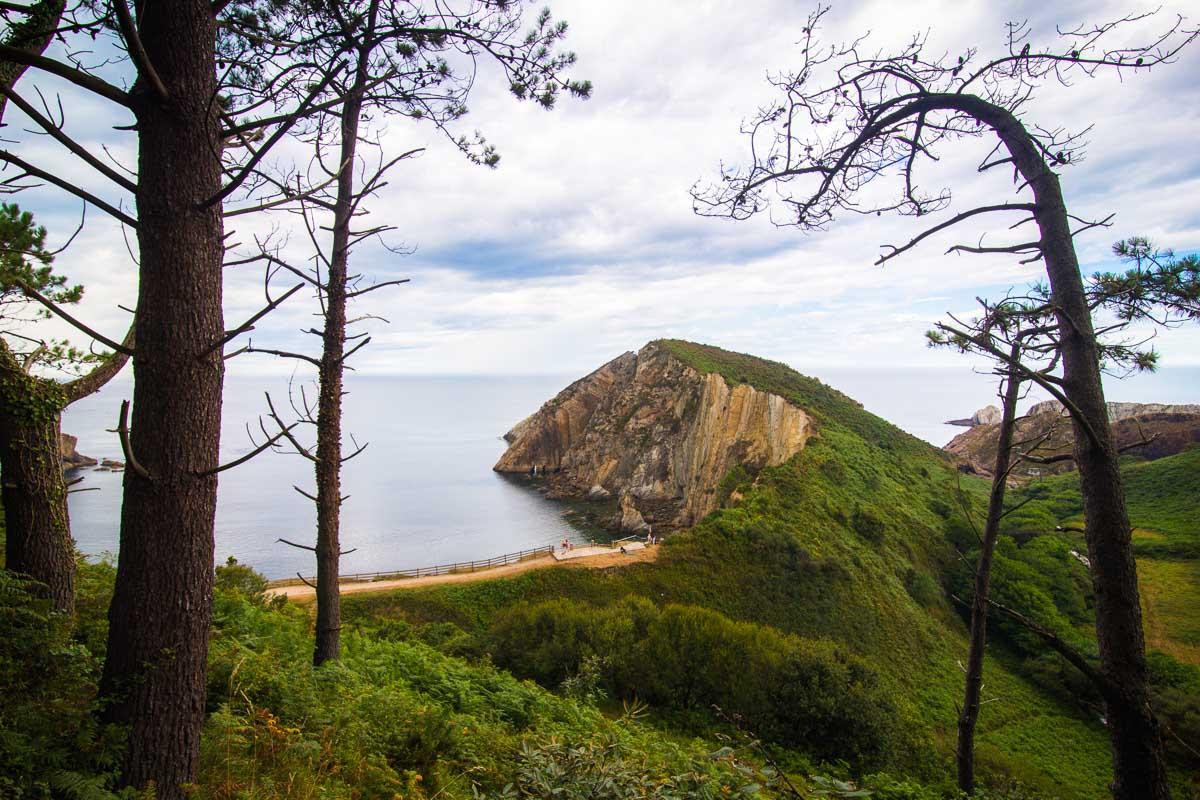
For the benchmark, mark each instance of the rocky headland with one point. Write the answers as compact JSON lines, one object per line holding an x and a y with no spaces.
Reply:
{"x":1165,"y":429}
{"x":655,"y":435}
{"x":72,"y":458}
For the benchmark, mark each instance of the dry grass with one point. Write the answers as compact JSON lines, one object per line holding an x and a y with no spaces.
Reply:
{"x":1170,"y":598}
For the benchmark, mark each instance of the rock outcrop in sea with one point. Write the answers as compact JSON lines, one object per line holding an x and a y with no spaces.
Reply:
{"x":72,"y":458}
{"x":656,"y":434}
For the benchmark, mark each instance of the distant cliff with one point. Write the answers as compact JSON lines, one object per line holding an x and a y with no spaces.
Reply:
{"x":1170,"y":428}
{"x":655,"y":433}
{"x":72,"y":458}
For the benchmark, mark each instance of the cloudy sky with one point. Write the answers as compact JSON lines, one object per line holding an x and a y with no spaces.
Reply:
{"x":583,"y":243}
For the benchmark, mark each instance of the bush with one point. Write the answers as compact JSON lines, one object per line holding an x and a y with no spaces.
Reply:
{"x":400,"y":719}
{"x":868,"y":525}
{"x":796,"y":692}
{"x":923,"y":589}
{"x":93,"y":593}
{"x":1175,"y":689}
{"x":48,"y":738}
{"x":245,"y":581}
{"x":602,"y":768}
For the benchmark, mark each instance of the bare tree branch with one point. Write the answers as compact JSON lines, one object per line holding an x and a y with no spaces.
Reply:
{"x":62,"y":183}
{"x":248,"y":325}
{"x":56,"y":131}
{"x":34,"y":294}
{"x":122,"y":431}
{"x":137,"y":50}
{"x":75,"y":76}
{"x":256,"y":451}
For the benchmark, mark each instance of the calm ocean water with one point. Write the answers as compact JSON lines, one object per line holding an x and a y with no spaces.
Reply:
{"x":423,"y":491}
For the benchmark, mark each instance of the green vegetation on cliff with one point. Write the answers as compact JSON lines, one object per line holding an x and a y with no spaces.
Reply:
{"x":812,"y":612}
{"x":1162,"y":498}
{"x":848,"y":548}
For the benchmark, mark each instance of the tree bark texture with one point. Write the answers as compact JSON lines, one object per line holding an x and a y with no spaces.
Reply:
{"x":38,"y":533}
{"x":983,"y":573}
{"x":329,"y":403}
{"x":1138,"y":767}
{"x":154,"y":676}
{"x":33,"y":33}
{"x":38,"y":541}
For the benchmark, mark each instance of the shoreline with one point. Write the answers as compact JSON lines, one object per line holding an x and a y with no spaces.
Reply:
{"x":305,"y":594}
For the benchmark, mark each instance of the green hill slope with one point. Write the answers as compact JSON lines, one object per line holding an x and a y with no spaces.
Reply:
{"x":848,"y":545}
{"x":1162,"y":497}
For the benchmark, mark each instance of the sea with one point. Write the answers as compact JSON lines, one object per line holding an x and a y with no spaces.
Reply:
{"x":423,"y":492}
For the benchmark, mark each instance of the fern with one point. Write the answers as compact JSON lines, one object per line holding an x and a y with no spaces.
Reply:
{"x":77,"y":786}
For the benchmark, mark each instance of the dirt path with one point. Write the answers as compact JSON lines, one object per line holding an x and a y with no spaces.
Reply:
{"x":303,"y":594}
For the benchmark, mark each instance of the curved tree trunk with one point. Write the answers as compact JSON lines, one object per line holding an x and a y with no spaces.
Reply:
{"x":983,"y":573}
{"x":1139,"y":772}
{"x":38,"y":541}
{"x":33,"y":33}
{"x":154,"y":676}
{"x":38,"y":534}
{"x":1138,"y":768}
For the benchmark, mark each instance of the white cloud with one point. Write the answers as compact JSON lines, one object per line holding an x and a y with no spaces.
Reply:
{"x":583,"y":243}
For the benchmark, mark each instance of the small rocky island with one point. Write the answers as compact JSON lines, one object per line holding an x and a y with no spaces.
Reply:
{"x":655,"y":434}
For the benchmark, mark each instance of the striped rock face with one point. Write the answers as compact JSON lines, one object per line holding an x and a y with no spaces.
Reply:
{"x":656,"y":433}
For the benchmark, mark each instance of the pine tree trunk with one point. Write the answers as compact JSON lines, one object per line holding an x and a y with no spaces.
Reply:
{"x":1138,"y":767}
{"x":1139,"y":773}
{"x":983,"y":573}
{"x":154,"y":676}
{"x":38,"y":533}
{"x":329,"y":403}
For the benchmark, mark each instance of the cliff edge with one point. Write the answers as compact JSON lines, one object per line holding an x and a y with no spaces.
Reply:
{"x":1147,"y":430}
{"x":656,"y":433}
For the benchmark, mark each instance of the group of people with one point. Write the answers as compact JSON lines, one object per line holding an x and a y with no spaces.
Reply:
{"x":566,"y":546}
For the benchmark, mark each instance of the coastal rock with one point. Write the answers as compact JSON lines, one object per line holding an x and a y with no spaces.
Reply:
{"x":658,"y":433}
{"x":988,"y":415}
{"x":598,"y":492}
{"x":1170,"y":429}
{"x":630,"y":520}
{"x":72,"y":458}
{"x":1120,"y":411}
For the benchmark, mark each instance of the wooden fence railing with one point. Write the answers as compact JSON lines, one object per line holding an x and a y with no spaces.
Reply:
{"x":421,"y":572}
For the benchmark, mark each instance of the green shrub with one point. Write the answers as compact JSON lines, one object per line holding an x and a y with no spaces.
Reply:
{"x":868,"y":525}
{"x":93,"y":592}
{"x":802,"y":693}
{"x":604,"y":768}
{"x":240,"y":579}
{"x":923,"y":589}
{"x":48,"y":737}
{"x":1175,"y":689}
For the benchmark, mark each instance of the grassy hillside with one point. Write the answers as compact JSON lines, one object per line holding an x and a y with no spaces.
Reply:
{"x":395,"y":718}
{"x":826,"y":404}
{"x":847,"y":543}
{"x":805,"y":626}
{"x":1162,"y":500}
{"x":1162,"y":497}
